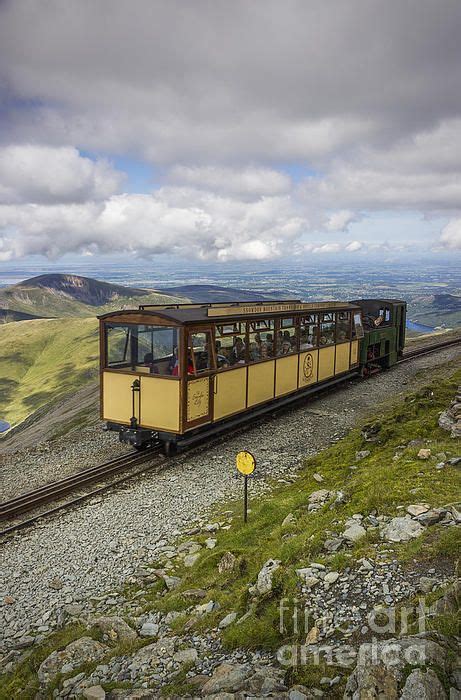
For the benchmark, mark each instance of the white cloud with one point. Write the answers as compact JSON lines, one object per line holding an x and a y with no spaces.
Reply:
{"x":354,"y":246}
{"x":450,"y":236}
{"x":172,"y":220}
{"x":43,"y":174}
{"x":339,"y":220}
{"x":248,"y":181}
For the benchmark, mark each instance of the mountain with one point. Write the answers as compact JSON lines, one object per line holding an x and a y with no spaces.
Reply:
{"x":436,"y":310}
{"x":207,"y":293}
{"x":55,"y":295}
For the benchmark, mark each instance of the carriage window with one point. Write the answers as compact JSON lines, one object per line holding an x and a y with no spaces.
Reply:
{"x":118,"y":345}
{"x":286,"y":337}
{"x":309,"y":332}
{"x":327,"y":329}
{"x":141,"y":348}
{"x":357,"y":327}
{"x":343,"y":326}
{"x":200,"y":353}
{"x":230,"y":348}
{"x":261,"y":340}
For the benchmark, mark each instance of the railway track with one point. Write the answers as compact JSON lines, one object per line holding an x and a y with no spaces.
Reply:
{"x":55,"y":491}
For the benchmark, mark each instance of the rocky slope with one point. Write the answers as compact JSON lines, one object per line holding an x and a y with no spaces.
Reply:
{"x":149,"y":592}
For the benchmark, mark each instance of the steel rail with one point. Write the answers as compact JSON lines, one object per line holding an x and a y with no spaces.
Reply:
{"x":56,"y":489}
{"x":31,"y":500}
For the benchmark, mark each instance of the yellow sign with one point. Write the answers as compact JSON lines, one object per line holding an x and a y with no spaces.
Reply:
{"x":243,"y":310}
{"x":246,"y":463}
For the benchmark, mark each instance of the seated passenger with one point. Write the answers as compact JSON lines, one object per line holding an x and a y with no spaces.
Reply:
{"x":238,"y":352}
{"x":323,"y":340}
{"x":173,"y":361}
{"x":255,"y":353}
{"x":269,"y":345}
{"x":305,"y":343}
{"x":149,"y":362}
{"x":285,"y":349}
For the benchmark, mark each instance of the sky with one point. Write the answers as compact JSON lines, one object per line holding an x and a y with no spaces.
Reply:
{"x":225,"y":131}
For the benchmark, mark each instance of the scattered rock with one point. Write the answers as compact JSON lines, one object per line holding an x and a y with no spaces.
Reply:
{"x":115,"y":628}
{"x":426,"y":584}
{"x":424,"y":453}
{"x":331,"y":577}
{"x":56,"y":584}
{"x":319,"y":497}
{"x":190,"y":559}
{"x":76,"y":653}
{"x":171,"y":582}
{"x":418,"y":509}
{"x":313,"y":635}
{"x":149,"y":629}
{"x":210,"y":543}
{"x":318,"y":478}
{"x":96,"y":692}
{"x":228,"y":620}
{"x":354,"y":532}
{"x":264,"y":582}
{"x":227,"y":563}
{"x":431,"y":517}
{"x":186,"y":656}
{"x":8,"y":600}
{"x":422,"y":685}
{"x":401,"y":529}
{"x":289,"y":520}
{"x":194,"y":593}
{"x":363,"y":454}
{"x":226,"y":678}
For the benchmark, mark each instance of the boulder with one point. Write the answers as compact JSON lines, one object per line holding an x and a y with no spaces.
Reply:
{"x":424,"y":453}
{"x":289,"y":520}
{"x":331,"y":577}
{"x":422,"y":685}
{"x":149,"y":629}
{"x":115,"y":628}
{"x":319,"y":497}
{"x":228,"y":678}
{"x":151,"y":654}
{"x":381,"y":666}
{"x":74,"y":654}
{"x":264,"y":581}
{"x":354,"y":532}
{"x":431,"y":517}
{"x":95,"y":692}
{"x":418,"y":509}
{"x":426,"y":584}
{"x":186,"y":656}
{"x":228,"y":620}
{"x":194,"y":593}
{"x":363,"y":454}
{"x":227,"y":562}
{"x":190,"y":559}
{"x":401,"y":529}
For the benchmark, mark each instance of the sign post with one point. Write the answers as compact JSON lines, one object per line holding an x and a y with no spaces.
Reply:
{"x":246,"y":464}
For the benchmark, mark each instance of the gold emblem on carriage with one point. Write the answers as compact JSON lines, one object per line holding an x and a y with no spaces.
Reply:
{"x":308,"y":366}
{"x":197,"y":398}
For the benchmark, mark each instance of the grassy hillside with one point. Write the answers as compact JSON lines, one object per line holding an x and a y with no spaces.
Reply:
{"x":42,"y":360}
{"x":52,"y":296}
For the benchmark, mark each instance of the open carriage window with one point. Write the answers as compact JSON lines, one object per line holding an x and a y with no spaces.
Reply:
{"x":309,"y":332}
{"x":261,"y":340}
{"x":140,"y":348}
{"x":327,"y":329}
{"x":287,"y":341}
{"x":200,"y":353}
{"x":230,"y":346}
{"x":343,"y":326}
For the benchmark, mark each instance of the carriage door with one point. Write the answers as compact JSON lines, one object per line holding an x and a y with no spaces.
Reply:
{"x":200,"y":364}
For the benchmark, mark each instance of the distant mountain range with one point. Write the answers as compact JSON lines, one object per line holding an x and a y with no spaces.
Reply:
{"x":56,"y":295}
{"x":208,"y":293}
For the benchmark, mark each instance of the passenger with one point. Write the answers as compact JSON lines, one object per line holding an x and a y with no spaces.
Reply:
{"x":264,"y":351}
{"x":255,"y":352}
{"x":323,"y":340}
{"x":149,"y":362}
{"x":286,"y":336}
{"x":305,"y":344}
{"x":238,"y":352}
{"x":270,"y":345}
{"x":173,"y":361}
{"x":285,"y":349}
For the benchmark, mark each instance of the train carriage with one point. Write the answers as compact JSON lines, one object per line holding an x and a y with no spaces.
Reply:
{"x":169,"y":372}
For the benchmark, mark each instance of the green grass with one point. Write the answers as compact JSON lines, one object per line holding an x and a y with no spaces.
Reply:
{"x":379,"y":483}
{"x":43,"y":360}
